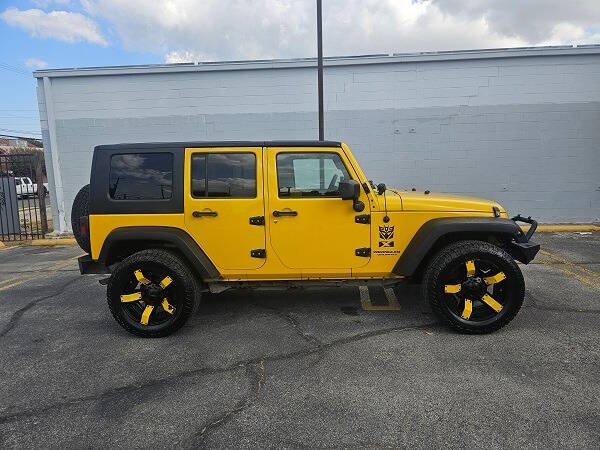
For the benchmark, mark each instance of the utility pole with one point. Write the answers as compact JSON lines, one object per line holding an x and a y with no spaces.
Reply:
{"x":320,"y":69}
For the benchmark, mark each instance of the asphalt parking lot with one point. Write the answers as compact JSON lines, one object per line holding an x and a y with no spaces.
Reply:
{"x":303,"y":368}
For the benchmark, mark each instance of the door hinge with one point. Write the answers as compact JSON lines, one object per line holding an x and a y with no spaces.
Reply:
{"x":258,"y":253}
{"x":362,"y":251}
{"x":363,"y":218}
{"x":257,"y":220}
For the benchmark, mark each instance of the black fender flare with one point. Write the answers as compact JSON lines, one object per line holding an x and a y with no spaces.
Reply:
{"x":430,"y":232}
{"x":167,"y":236}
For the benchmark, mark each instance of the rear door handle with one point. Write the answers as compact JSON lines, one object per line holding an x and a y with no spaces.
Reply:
{"x":204,"y":214}
{"x":284,"y":213}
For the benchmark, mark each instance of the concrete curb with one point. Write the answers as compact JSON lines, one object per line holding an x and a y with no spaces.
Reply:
{"x":39,"y":243}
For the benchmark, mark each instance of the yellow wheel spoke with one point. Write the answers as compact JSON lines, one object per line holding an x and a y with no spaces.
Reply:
{"x":468,"y":309}
{"x":140,"y":277}
{"x":165,"y":282}
{"x":125,"y":298}
{"x":452,"y":288}
{"x":146,"y":314}
{"x":167,"y":306}
{"x":470,"y":268}
{"x":488,"y":300}
{"x":495,"y":279}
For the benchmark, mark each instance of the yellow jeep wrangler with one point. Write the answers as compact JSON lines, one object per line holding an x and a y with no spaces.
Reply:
{"x":168,"y":221}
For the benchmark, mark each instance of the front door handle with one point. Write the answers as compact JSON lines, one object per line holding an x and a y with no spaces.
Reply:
{"x":204,"y":214}
{"x":284,"y":213}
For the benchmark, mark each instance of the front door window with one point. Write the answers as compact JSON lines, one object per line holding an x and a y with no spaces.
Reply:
{"x":310,"y":174}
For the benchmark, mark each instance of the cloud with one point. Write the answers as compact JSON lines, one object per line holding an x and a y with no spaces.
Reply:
{"x":35,"y":63}
{"x":191,"y":30}
{"x":534,"y":21}
{"x":174,"y":57}
{"x":62,"y":25}
{"x":188,"y":30}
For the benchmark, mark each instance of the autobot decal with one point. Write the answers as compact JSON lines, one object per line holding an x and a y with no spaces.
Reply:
{"x":386,"y":234}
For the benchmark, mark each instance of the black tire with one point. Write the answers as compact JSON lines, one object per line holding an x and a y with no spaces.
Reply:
{"x":81,"y":208}
{"x":470,"y":310}
{"x":155,"y":264}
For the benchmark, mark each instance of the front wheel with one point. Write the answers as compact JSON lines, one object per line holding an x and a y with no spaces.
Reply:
{"x":152,"y":293}
{"x":474,"y":286}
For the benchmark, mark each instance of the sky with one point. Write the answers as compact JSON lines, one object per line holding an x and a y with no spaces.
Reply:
{"x":39,"y":34}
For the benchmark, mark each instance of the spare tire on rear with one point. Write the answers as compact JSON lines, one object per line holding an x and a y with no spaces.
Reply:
{"x":81,"y":208}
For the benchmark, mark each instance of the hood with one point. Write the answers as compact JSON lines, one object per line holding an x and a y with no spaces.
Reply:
{"x":419,"y":201}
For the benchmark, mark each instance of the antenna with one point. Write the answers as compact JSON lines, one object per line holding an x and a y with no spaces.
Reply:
{"x":381,"y":189}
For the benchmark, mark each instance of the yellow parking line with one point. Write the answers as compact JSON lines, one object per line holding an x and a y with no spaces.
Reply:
{"x":593,"y":281}
{"x":569,"y":263}
{"x":365,"y":300}
{"x":7,"y":284}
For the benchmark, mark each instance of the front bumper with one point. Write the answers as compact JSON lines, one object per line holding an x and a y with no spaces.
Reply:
{"x":523,"y":250}
{"x":87,"y":265}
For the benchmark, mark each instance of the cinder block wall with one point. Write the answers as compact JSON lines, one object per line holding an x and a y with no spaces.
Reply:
{"x":522,"y":130}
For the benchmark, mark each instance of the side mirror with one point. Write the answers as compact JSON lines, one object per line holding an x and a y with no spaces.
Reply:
{"x":349,"y":189}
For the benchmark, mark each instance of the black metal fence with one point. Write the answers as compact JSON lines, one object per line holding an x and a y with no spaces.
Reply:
{"x":22,"y":198}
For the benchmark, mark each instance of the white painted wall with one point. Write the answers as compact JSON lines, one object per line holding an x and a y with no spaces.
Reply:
{"x":523,"y":130}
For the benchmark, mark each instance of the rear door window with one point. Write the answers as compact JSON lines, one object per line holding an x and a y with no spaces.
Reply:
{"x":224,"y":175}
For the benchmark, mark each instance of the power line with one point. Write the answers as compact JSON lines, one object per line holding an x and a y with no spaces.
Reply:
{"x":20,"y":131}
{"x":19,"y":137}
{"x":18,"y":117}
{"x":13,"y":69}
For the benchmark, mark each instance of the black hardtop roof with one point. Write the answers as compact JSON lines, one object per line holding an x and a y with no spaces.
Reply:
{"x":204,"y":144}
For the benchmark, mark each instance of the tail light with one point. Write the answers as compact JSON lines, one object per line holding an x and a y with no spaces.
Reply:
{"x":84,"y":225}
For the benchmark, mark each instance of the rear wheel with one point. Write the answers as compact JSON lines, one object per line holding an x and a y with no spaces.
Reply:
{"x":152,"y":293}
{"x":474,"y":286}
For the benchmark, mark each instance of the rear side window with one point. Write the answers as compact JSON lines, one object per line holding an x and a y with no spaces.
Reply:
{"x":224,"y":175}
{"x":141,"y":176}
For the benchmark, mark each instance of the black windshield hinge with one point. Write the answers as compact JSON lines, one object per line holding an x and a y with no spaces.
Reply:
{"x":362,"y":251}
{"x":363,"y":218}
{"x":258,"y":253}
{"x":257,"y":220}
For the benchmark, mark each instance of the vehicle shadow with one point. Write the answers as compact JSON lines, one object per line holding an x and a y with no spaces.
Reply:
{"x":313,"y":300}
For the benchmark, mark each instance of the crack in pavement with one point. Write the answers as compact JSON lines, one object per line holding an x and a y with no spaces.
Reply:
{"x":254,"y":367}
{"x":16,"y":316}
{"x":119,"y":391}
{"x":256,"y":373}
{"x":293,"y":323}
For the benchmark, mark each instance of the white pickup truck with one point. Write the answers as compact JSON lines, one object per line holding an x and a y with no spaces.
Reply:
{"x":25,"y":187}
